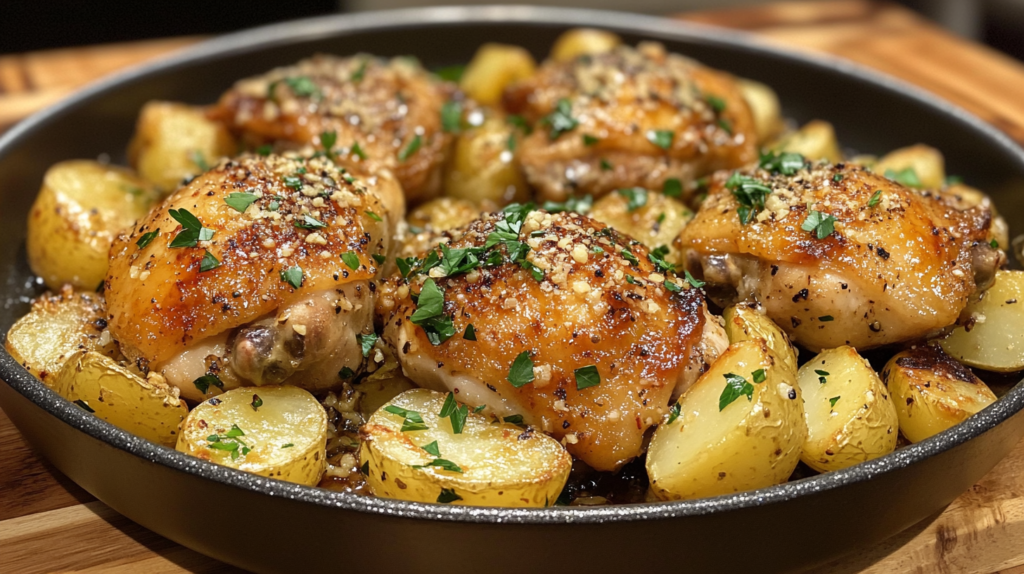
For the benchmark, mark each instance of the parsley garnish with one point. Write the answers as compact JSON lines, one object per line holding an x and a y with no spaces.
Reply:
{"x":454,"y":411}
{"x":672,"y":187}
{"x":450,"y":73}
{"x":628,"y":256}
{"x":735,"y":387}
{"x":875,"y":198}
{"x":520,"y":123}
{"x":832,"y":402}
{"x":412,"y":148}
{"x":716,"y":103}
{"x":673,"y":413}
{"x":350,"y":259}
{"x":820,"y":225}
{"x":208,"y":263}
{"x":837,"y":177}
{"x":147,"y":238}
{"x":825,"y":318}
{"x":470,"y":334}
{"x":240,"y":201}
{"x":360,"y":72}
{"x":432,"y":449}
{"x":786,"y":163}
{"x":192,"y":231}
{"x":256,"y":403}
{"x":301,"y":86}
{"x":328,"y":139}
{"x":636,"y":197}
{"x":560,"y":120}
{"x":309,"y":222}
{"x":447,"y":496}
{"x":758,"y":376}
{"x":657,"y":257}
{"x":725,"y":125}
{"x":606,"y":165}
{"x":672,"y":287}
{"x":521,"y":372}
{"x":357,"y":151}
{"x":695,"y":283}
{"x":288,"y":445}
{"x":366,"y":342}
{"x":411,"y":420}
{"x":265,"y":150}
{"x":451,"y":116}
{"x":379,"y":258}
{"x":993,"y":244}
{"x":821,"y":376}
{"x":750,"y":193}
{"x":661,"y":138}
{"x":229,"y":441}
{"x":574,"y":204}
{"x":293,"y":276}
{"x":587,"y":377}
{"x":430,"y":315}
{"x":206,"y":381}
{"x":907,"y":177}
{"x":444,"y":464}
{"x":589,"y":140}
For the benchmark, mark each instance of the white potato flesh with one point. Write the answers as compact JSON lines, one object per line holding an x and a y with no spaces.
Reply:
{"x":748,"y":444}
{"x":850,"y":417}
{"x":285,"y":437}
{"x":747,"y":321}
{"x":933,"y":392}
{"x":500,"y":464}
{"x":580,"y":41}
{"x":493,"y":67}
{"x":992,"y":338}
{"x":926,"y":162}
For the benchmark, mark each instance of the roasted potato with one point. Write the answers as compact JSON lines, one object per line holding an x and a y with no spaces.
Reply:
{"x":932,"y":391}
{"x":816,"y":140}
{"x":650,"y":217}
{"x":732,"y":433}
{"x":80,"y":208}
{"x":764,"y":105}
{"x":992,"y":336}
{"x":581,"y":41}
{"x":493,"y":67}
{"x":443,"y":214}
{"x":175,"y":141}
{"x":747,"y":321}
{"x":850,"y":417}
{"x":483,"y":167}
{"x":57,"y":326}
{"x":149,"y":408}
{"x":487,"y":464}
{"x":924,"y":163}
{"x":274,"y":431}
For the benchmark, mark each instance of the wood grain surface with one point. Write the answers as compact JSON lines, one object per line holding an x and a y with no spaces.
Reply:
{"x":48,"y":524}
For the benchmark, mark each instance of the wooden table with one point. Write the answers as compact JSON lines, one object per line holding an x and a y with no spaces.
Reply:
{"x":48,"y":524}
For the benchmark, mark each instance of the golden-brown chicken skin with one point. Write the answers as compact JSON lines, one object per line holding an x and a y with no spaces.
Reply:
{"x":632,"y":117}
{"x":284,"y":263}
{"x":390,"y":108}
{"x":581,"y":298}
{"x":839,"y":255}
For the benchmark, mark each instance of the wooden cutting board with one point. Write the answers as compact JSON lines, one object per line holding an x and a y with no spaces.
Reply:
{"x":48,"y":524}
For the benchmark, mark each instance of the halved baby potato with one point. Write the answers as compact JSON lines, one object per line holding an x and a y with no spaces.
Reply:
{"x":650,"y":217}
{"x":926,"y":163}
{"x":444,"y":213}
{"x":493,"y":67}
{"x":764,"y":106}
{"x":850,"y":417}
{"x":815,"y":140}
{"x":746,"y":321}
{"x":581,"y":41}
{"x":56,"y":327}
{"x":274,"y":431}
{"x":487,"y":464}
{"x":483,"y":167}
{"x":149,"y":408}
{"x":992,"y":338}
{"x":932,"y":391}
{"x":739,"y":427}
{"x":80,"y":208}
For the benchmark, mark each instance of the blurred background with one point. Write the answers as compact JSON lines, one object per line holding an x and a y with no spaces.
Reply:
{"x":27,"y":25}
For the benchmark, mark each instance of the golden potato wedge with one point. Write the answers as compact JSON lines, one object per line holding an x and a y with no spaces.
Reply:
{"x":746,"y":321}
{"x":80,"y":208}
{"x":487,"y":464}
{"x":932,"y":391}
{"x":444,"y":213}
{"x":717,"y":445}
{"x":764,"y":105}
{"x":57,"y":326}
{"x":815,"y":140}
{"x":992,"y":338}
{"x":917,"y":166}
{"x":274,"y":431}
{"x":493,"y":67}
{"x":579,"y":41}
{"x":174,"y":141}
{"x":483,"y":167}
{"x":149,"y":408}
{"x":650,"y":217}
{"x":850,"y":417}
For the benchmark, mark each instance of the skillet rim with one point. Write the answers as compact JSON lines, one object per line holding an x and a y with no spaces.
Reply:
{"x":654,"y":27}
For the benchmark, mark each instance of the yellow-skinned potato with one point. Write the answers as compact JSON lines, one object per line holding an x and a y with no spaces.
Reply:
{"x":932,"y":392}
{"x":175,"y":141}
{"x":444,"y":213}
{"x":815,"y":140}
{"x":992,"y":338}
{"x":764,"y":105}
{"x":80,"y":208}
{"x":926,"y":162}
{"x":500,"y":464}
{"x":274,"y":431}
{"x":482,"y":169}
{"x":493,"y":67}
{"x":57,"y":326}
{"x":709,"y":450}
{"x":580,"y":41}
{"x":747,"y":321}
{"x":850,"y":417}
{"x":655,"y":223}
{"x":149,"y":408}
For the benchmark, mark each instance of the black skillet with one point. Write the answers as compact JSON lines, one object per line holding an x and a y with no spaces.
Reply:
{"x":269,"y":526}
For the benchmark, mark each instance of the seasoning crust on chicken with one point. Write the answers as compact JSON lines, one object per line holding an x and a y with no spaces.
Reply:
{"x":581,"y":301}
{"x":631,"y":117}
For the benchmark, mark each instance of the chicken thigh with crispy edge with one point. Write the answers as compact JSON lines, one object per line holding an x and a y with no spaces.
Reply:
{"x":391,"y":109}
{"x":632,"y":117}
{"x":260,"y":271}
{"x":573,"y":328}
{"x":839,"y":255}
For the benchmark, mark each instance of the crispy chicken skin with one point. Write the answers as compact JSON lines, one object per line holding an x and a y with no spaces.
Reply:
{"x":622,"y":98}
{"x":234,"y":318}
{"x":593,"y":306}
{"x":390,"y":108}
{"x":900,"y":264}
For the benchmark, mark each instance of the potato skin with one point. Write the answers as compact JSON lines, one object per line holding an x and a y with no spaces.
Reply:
{"x":79,"y":210}
{"x":580,"y":41}
{"x":288,"y":416}
{"x":148,"y":408}
{"x":862,"y":424}
{"x":815,"y":140}
{"x":990,"y":337}
{"x":764,"y":106}
{"x":932,"y":391}
{"x":745,"y":446}
{"x":493,"y":67}
{"x":484,"y":166}
{"x":57,"y":326}
{"x":926,"y":161}
{"x":747,"y":321}
{"x":502,"y":464}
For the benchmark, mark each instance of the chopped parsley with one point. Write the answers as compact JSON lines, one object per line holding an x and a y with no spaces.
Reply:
{"x":432,"y":449}
{"x":875,"y":198}
{"x":672,"y":287}
{"x":735,"y":387}
{"x":758,"y":376}
{"x":455,"y":412}
{"x":360,"y":72}
{"x":672,"y":187}
{"x":206,"y":381}
{"x":379,"y":258}
{"x":409,"y":150}
{"x":750,"y":193}
{"x":661,"y":138}
{"x":192,"y":231}
{"x":587,"y":377}
{"x":832,"y":402}
{"x":357,"y":151}
{"x":673,"y":413}
{"x":657,"y":257}
{"x":350,"y":259}
{"x":837,"y":177}
{"x":521,"y":371}
{"x":628,"y":256}
{"x":328,"y":139}
{"x":821,"y":376}
{"x":785,"y":163}
{"x":147,"y":238}
{"x":208,"y":263}
{"x":450,"y":73}
{"x":520,"y":123}
{"x":725,"y":125}
{"x":906,"y":176}
{"x":429,"y":314}
{"x":292,"y":276}
{"x":606,"y":165}
{"x":265,"y":150}
{"x":442,"y":463}
{"x":716,"y":103}
{"x":581,"y":205}
{"x":514,"y":419}
{"x":993,"y":244}
{"x":301,"y":86}
{"x":451,"y":116}
{"x":240,"y":201}
{"x":695,"y":283}
{"x":560,"y":120}
{"x":309,"y":222}
{"x":256,"y":403}
{"x":589,"y":140}
{"x":636,"y":197}
{"x":288,"y":445}
{"x":825,"y":318}
{"x":411,"y":420}
{"x":819,"y":224}
{"x":366,"y":343}
{"x":230,"y":441}
{"x":448,"y":496}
